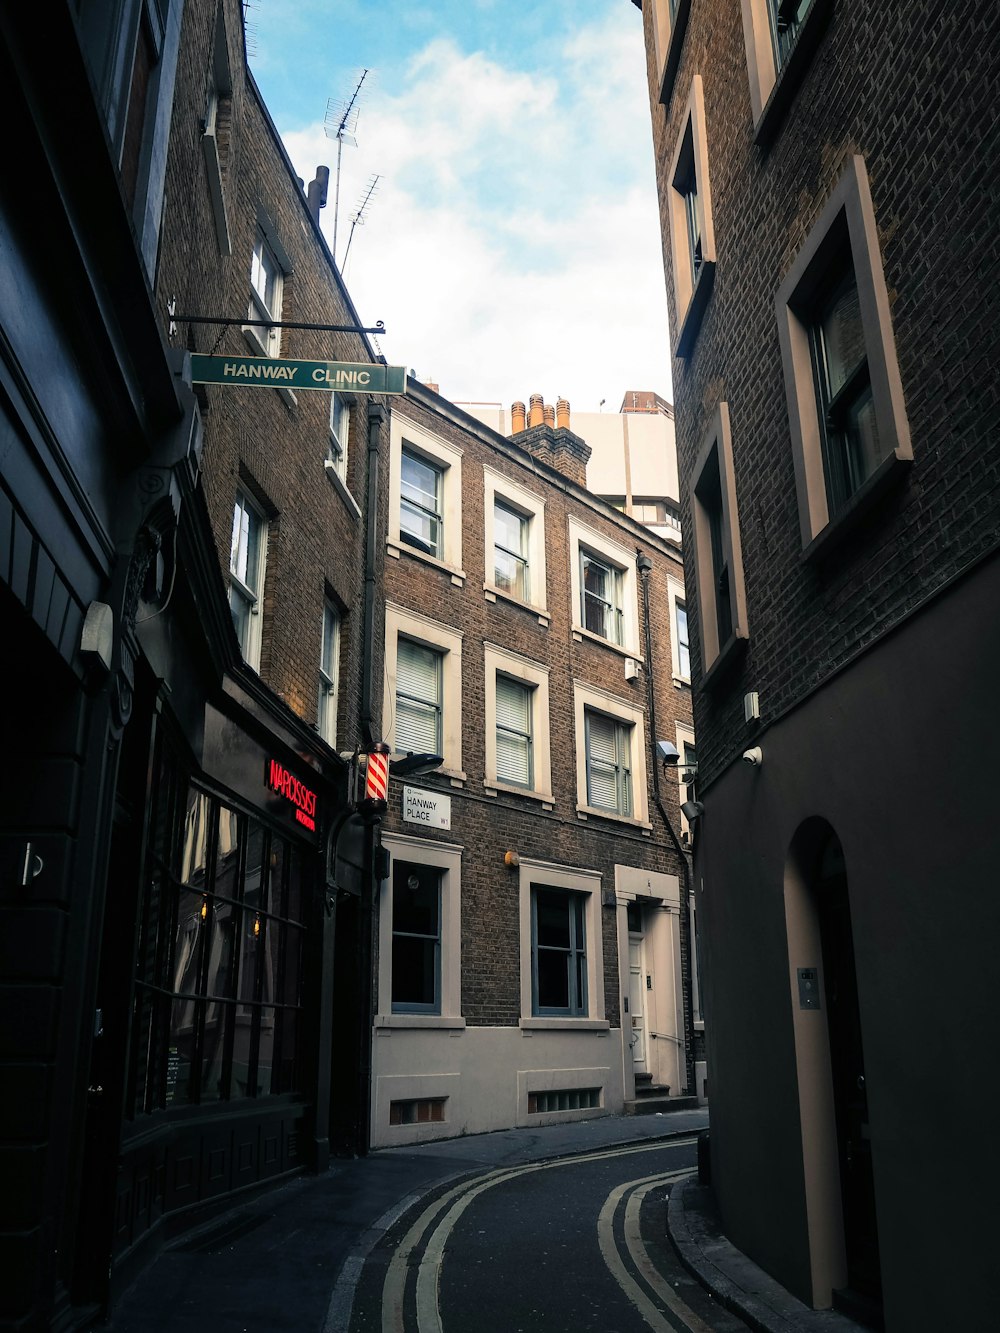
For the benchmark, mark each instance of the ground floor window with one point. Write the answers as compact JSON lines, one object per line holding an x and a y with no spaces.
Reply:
{"x":559,"y":955}
{"x":416,"y":938}
{"x":218,"y":979}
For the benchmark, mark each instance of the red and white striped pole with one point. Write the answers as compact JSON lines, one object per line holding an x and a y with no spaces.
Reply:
{"x":376,"y":797}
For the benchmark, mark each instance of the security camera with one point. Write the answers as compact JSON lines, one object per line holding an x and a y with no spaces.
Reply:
{"x":669,"y":754}
{"x":755,"y":757}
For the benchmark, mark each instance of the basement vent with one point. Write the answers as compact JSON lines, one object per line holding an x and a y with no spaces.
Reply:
{"x":417,"y":1111}
{"x":563,"y":1099}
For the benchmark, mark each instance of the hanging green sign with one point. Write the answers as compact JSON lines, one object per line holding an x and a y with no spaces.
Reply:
{"x":265,"y":373}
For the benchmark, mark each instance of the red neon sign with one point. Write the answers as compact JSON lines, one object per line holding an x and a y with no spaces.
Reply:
{"x":297,"y":793}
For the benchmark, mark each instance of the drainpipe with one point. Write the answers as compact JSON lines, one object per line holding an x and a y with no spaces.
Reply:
{"x":644,"y":566}
{"x":376,"y":420}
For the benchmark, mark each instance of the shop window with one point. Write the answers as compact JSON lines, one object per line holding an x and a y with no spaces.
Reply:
{"x":247,"y":559}
{"x":218,"y":993}
{"x":717,"y":551}
{"x":849,"y":432}
{"x":326,"y":713}
{"x":689,"y":214}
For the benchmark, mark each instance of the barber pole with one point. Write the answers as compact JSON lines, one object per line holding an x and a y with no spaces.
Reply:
{"x":376,"y":781}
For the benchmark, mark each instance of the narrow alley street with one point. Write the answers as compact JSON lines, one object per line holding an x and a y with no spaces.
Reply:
{"x":579,"y":1242}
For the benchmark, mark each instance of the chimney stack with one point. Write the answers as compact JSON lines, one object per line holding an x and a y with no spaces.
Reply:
{"x":317,"y":191}
{"x":536,"y":410}
{"x":517,"y":418}
{"x":562,"y":414}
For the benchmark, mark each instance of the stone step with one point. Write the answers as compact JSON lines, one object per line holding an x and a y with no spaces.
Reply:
{"x":659,"y":1105}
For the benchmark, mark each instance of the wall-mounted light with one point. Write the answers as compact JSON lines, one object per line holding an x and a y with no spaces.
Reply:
{"x":511,"y":860}
{"x":692,"y":810}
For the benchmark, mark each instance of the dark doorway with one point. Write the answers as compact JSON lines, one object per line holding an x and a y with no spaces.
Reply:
{"x":862,"y":1298}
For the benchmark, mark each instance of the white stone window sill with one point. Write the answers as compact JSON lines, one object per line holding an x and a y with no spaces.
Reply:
{"x":545,"y":797}
{"x":581,"y":635}
{"x":340,"y":486}
{"x":585,"y":812}
{"x":436,"y":1022}
{"x":397,"y":548}
{"x":564,"y":1025}
{"x":493,"y":594}
{"x":254,"y":342}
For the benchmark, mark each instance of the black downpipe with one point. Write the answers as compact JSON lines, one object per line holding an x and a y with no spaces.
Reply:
{"x":376,"y":420}
{"x":644,"y":566}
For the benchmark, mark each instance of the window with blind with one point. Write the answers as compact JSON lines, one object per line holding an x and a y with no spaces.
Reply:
{"x":609,"y":763}
{"x":514,"y":732}
{"x":418,"y":698}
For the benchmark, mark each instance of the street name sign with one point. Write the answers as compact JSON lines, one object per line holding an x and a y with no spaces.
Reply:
{"x":426,"y":807}
{"x":267,"y":373}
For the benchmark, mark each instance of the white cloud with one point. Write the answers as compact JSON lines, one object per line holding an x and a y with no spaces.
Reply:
{"x":513,"y":245}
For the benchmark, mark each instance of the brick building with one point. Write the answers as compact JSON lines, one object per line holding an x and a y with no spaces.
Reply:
{"x":534,"y":921}
{"x":826,"y":175}
{"x":188,"y":619}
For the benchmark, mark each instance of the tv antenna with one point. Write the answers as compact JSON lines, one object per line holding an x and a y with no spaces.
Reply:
{"x":359,"y":216}
{"x":341,"y":124}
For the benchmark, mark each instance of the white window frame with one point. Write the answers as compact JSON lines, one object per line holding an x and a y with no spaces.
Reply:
{"x":445,"y":456}
{"x":589,"y":697}
{"x":762,"y":68}
{"x":326,"y":710}
{"x":220,"y":89}
{"x":252,"y":594}
{"x":266,"y":341}
{"x":717,"y":442}
{"x":587,"y":882}
{"x":446,"y":640}
{"x":619,"y":558}
{"x":446,"y":857}
{"x":427,"y":706}
{"x":691,"y":292}
{"x":669,"y":20}
{"x":500,"y":489}
{"x":535,"y":675}
{"x":339,"y":429}
{"x":676,"y":598}
{"x":847,"y":222}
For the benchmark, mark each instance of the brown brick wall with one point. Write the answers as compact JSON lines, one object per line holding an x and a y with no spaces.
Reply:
{"x":487,"y":826}
{"x":253,"y":437}
{"x":912,"y":89}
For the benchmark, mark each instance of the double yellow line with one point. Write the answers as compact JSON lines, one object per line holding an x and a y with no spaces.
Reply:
{"x":453,"y":1203}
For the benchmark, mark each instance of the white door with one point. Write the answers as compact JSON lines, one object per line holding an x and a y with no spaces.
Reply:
{"x":637,"y":1003}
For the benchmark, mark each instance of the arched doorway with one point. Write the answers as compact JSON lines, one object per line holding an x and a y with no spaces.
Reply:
{"x":836,"y":1137}
{"x":850,"y":1094}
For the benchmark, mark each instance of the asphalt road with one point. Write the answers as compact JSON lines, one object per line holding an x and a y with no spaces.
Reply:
{"x":570,"y":1244}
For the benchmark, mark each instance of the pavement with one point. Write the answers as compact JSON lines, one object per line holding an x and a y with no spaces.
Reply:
{"x":290,"y":1258}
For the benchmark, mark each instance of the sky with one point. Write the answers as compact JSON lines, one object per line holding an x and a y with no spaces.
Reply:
{"x":512,"y":243}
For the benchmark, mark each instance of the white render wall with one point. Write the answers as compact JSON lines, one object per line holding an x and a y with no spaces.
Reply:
{"x":486,"y":1073}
